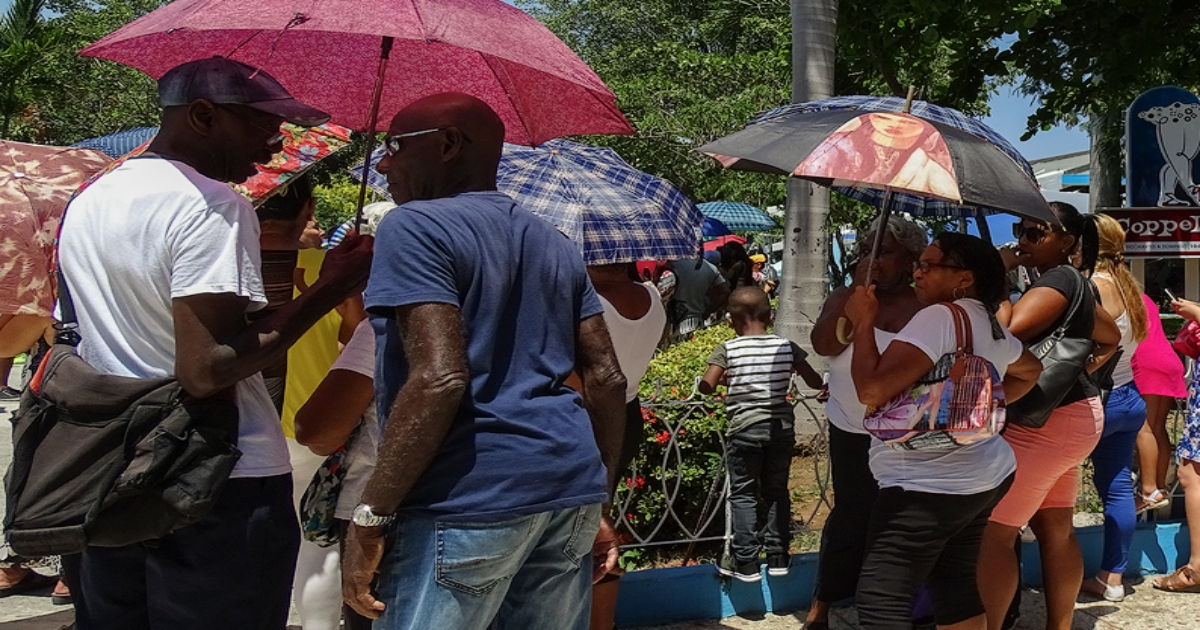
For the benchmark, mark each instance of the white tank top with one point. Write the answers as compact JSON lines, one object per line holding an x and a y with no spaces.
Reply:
{"x":844,"y":409}
{"x":635,"y":340}
{"x":1123,"y":373}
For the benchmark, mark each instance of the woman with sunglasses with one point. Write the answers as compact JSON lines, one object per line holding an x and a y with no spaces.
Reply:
{"x":933,"y":504}
{"x":1044,"y":491}
{"x":844,"y":537}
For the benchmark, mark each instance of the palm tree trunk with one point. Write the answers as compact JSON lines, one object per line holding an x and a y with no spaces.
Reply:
{"x":805,"y":279}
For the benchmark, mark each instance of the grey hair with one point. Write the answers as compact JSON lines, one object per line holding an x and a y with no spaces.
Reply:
{"x":911,"y":237}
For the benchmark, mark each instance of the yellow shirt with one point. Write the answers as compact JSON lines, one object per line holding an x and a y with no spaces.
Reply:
{"x":310,"y":359}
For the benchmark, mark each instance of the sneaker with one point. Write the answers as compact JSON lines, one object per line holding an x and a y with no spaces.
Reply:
{"x":741,"y":571}
{"x":8,"y":393}
{"x":777,"y":564}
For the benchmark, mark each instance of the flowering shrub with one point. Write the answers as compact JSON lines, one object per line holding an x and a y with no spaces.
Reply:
{"x":675,"y":489}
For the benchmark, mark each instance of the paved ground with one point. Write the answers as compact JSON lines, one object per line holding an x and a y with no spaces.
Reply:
{"x":1144,"y":609}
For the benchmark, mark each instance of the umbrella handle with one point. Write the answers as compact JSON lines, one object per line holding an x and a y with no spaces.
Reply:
{"x":385,"y":51}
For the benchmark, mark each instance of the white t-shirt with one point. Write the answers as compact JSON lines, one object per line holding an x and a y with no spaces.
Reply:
{"x":149,"y":231}
{"x":971,"y":469}
{"x":844,"y":409}
{"x":359,"y":356}
{"x":635,"y":340}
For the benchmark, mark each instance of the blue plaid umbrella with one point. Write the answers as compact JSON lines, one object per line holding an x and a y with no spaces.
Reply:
{"x":741,"y":217}
{"x":120,"y":143}
{"x":614,"y":212}
{"x":903,"y":202}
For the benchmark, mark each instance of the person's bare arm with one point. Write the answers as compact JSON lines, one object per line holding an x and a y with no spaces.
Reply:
{"x":604,"y":397}
{"x":214,"y":346}
{"x":325,"y":422}
{"x":824,"y":337}
{"x":712,"y":377}
{"x":1021,"y":376}
{"x":603,"y":391}
{"x":1036,"y":312}
{"x":810,"y":375}
{"x":434,"y":341}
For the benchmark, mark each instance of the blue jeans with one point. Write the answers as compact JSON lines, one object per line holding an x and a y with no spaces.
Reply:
{"x":526,"y":573}
{"x":1124,"y":416}
{"x":760,"y":457}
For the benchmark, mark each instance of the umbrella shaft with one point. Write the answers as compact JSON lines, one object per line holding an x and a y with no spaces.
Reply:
{"x":385,"y":51}
{"x":881,"y":226}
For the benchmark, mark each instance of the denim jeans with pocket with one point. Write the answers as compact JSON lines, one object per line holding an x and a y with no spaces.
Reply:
{"x":760,"y":459}
{"x":529,"y":573}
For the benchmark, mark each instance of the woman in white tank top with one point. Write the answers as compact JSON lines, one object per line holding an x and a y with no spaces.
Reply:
{"x":1124,"y":413}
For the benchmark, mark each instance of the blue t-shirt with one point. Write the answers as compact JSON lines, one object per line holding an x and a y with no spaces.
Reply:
{"x":522,"y":441}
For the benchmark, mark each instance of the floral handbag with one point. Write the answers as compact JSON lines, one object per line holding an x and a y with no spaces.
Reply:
{"x":959,"y":401}
{"x":317,"y":506}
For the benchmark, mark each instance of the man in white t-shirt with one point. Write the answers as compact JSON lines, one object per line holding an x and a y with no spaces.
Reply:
{"x":161,"y":259}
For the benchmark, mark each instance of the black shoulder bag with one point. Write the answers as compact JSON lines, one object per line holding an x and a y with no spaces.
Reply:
{"x":1063,"y":361}
{"x":107,"y":460}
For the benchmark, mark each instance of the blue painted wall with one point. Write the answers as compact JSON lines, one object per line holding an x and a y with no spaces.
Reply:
{"x":660,"y":596}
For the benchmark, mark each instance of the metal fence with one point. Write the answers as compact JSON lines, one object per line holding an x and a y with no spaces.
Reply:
{"x":683,"y":489}
{"x":679,"y":485}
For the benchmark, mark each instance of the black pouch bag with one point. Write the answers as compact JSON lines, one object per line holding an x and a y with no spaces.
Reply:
{"x":108,"y":460}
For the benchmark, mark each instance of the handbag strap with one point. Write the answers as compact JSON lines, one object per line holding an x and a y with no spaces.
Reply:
{"x":1076,"y":303}
{"x":963,"y":335}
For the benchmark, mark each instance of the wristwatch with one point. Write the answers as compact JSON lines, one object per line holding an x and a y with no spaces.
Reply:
{"x":364,"y":517}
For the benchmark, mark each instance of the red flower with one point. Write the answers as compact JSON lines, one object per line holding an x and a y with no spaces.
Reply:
{"x":662,"y":437}
{"x":639,"y":482}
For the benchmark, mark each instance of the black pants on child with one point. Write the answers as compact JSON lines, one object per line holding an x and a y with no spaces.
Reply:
{"x":917,"y":537}
{"x":759,"y":459}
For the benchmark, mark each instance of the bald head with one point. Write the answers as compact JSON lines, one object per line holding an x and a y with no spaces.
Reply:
{"x":442,"y":145}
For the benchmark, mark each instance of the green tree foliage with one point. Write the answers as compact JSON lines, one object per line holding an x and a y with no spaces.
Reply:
{"x":25,"y":38}
{"x":80,"y":97}
{"x":1082,"y":56}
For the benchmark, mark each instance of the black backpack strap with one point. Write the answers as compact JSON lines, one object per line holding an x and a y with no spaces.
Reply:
{"x":68,"y":326}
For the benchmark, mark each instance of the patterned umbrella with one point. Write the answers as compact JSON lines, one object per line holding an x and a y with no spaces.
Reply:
{"x":741,"y":217}
{"x":615,"y":212}
{"x":35,"y":184}
{"x":302,"y":148}
{"x":822,"y":118}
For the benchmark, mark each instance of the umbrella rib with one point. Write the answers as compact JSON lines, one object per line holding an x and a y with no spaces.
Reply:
{"x":511,"y":95}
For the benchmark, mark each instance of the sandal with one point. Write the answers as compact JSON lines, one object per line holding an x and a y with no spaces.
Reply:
{"x":1099,"y":588}
{"x":1147,"y":502}
{"x":1183,"y":580}
{"x":31,"y":581}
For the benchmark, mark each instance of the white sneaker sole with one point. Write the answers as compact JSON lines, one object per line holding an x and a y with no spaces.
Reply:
{"x":777,"y":572}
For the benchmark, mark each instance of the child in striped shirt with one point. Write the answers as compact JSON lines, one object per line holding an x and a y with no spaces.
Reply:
{"x":757,"y":368}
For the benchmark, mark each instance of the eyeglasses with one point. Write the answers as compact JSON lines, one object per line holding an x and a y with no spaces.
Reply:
{"x":277,"y":134}
{"x":1033,"y":234}
{"x":924,"y":266}
{"x":394,"y":143}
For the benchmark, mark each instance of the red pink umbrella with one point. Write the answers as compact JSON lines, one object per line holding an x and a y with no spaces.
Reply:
{"x":344,"y":56}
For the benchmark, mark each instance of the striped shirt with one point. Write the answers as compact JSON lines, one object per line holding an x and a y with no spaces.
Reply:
{"x":758,"y":372}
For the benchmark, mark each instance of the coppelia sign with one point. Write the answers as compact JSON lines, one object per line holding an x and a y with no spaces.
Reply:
{"x":1158,"y":232}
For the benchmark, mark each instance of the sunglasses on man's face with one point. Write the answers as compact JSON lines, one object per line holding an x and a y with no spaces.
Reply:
{"x":394,"y":143}
{"x":1032,"y":233}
